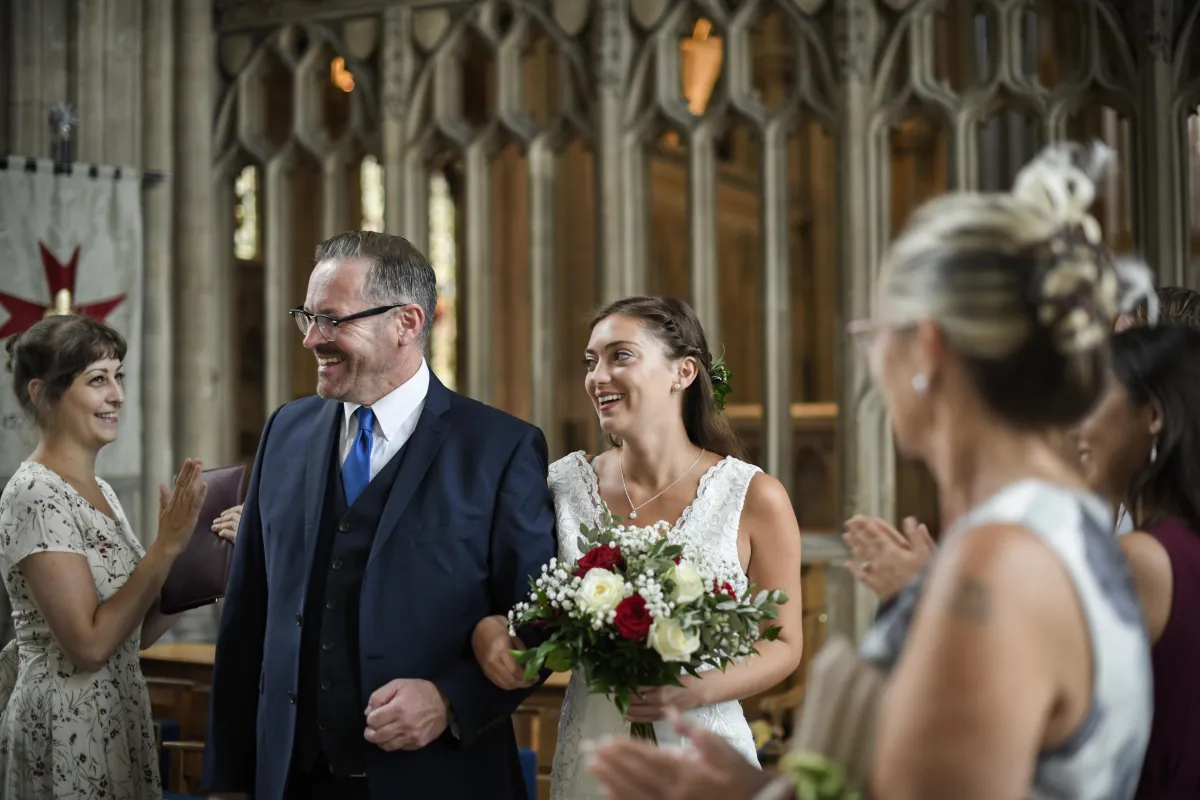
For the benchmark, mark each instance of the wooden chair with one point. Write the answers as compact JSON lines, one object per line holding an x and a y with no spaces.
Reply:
{"x":169,"y":698}
{"x":182,"y":704}
{"x":527,"y":724}
{"x":186,"y":759}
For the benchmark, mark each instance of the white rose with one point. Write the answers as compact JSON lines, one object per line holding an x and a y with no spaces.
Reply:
{"x":600,"y":591}
{"x":671,"y":641}
{"x":688,"y":584}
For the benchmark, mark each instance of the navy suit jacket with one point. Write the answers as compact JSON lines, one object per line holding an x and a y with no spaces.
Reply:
{"x":469,"y":518}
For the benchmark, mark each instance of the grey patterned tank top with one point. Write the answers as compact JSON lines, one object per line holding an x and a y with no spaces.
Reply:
{"x":1103,"y":758}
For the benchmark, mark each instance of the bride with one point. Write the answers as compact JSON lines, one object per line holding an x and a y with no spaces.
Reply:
{"x":673,"y":458}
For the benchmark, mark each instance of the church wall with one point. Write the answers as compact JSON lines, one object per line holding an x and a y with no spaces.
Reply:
{"x":576,"y":172}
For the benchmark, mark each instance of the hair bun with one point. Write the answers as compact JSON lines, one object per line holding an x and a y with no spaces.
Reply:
{"x":1078,"y":295}
{"x":1061,"y":182}
{"x":1082,"y":288}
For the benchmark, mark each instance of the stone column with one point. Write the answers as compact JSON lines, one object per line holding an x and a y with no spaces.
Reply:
{"x":158,"y":130}
{"x":866,"y":457}
{"x":38,"y":38}
{"x":1160,"y":208}
{"x":200,"y":377}
{"x":621,"y":224}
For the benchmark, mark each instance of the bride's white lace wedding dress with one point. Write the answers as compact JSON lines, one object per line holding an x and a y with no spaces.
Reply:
{"x":708,"y":526}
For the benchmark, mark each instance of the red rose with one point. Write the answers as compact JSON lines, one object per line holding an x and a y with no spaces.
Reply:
{"x":602,"y":557}
{"x":724,"y":588}
{"x":633,"y":620}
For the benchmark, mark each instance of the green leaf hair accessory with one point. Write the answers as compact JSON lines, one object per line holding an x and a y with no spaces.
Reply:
{"x":719,"y":375}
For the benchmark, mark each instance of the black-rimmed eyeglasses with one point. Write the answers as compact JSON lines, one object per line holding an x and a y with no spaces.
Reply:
{"x":327,"y":326}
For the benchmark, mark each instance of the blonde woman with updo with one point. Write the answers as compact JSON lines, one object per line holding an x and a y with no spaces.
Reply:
{"x":1018,"y":665}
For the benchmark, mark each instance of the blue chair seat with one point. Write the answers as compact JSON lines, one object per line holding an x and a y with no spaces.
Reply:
{"x":529,"y":769}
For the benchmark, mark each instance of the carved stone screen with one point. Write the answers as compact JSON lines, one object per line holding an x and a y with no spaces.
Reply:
{"x":753,"y":157}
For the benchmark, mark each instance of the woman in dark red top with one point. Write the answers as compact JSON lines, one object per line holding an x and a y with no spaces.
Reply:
{"x":1141,"y":448}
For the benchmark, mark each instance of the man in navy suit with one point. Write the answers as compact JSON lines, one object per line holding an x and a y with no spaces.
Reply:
{"x":385,"y":517}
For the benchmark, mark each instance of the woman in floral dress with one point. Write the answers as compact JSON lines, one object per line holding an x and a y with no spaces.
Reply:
{"x":74,"y":711}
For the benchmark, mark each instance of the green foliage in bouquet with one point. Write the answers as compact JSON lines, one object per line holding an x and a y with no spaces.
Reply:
{"x":817,"y":778}
{"x":669,"y":619}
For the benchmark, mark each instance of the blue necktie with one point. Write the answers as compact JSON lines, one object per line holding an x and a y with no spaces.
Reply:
{"x":356,"y":470}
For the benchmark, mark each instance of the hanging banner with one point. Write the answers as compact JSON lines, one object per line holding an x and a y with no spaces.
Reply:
{"x":71,"y":243}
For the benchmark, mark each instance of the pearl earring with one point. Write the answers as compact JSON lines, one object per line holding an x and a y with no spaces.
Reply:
{"x":920,"y":383}
{"x":1154,"y":451}
{"x":677,"y":387}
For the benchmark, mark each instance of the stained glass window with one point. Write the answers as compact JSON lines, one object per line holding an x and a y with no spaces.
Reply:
{"x":245,"y":210}
{"x":371,"y":181}
{"x":702,"y":55}
{"x":443,"y":255}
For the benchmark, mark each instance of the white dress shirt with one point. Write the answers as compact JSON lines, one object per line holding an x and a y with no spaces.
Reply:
{"x":396,"y":415}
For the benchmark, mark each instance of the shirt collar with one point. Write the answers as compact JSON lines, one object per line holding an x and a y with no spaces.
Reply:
{"x":395,"y":407}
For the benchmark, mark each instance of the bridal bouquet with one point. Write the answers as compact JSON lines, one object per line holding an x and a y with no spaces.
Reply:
{"x":817,"y":778}
{"x":633,"y":612}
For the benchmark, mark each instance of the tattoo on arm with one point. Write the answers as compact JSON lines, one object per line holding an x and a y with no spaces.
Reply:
{"x":971,"y":601}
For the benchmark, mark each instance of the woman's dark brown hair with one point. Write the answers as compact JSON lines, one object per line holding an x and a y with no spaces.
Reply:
{"x":675,"y":325}
{"x":1162,"y":364}
{"x":55,"y":351}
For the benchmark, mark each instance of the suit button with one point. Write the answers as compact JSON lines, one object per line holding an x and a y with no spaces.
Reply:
{"x":327,"y":645}
{"x":345,"y":526}
{"x":321,"y":726}
{"x":325,"y":686}
{"x":299,"y":618}
{"x":292,"y":698}
{"x":337,"y":564}
{"x":331,"y":603}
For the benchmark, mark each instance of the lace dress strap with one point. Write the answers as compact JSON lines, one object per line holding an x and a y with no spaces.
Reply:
{"x":711,"y":523}
{"x":576,"y":500}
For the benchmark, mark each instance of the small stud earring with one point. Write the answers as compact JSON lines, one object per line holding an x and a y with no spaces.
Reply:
{"x":677,"y":386}
{"x":920,"y":383}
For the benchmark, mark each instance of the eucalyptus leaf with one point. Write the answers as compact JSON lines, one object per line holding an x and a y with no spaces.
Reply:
{"x":559,"y":660}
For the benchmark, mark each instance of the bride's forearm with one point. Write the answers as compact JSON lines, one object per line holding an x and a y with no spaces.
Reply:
{"x":774,"y":663}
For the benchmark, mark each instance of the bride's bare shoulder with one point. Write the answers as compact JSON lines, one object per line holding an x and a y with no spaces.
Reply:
{"x":768,"y":501}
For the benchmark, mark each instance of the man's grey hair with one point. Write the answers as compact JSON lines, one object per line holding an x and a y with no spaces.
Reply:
{"x":399,"y":272}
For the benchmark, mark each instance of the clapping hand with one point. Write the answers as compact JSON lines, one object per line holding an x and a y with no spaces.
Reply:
{"x":886,"y":559}
{"x":631,"y":769}
{"x":406,"y":714}
{"x":179,"y":508}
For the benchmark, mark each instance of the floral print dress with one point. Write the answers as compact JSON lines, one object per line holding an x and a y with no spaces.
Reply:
{"x":66,"y":733}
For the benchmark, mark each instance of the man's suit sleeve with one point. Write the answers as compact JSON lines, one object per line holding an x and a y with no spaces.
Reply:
{"x":229,"y":755}
{"x":523,"y":539}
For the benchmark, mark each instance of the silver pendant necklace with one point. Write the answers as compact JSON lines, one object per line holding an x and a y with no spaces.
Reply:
{"x":634,"y":509}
